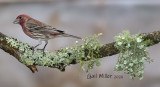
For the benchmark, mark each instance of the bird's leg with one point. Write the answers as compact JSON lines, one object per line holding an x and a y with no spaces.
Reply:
{"x":45,"y":46}
{"x":40,"y":42}
{"x":46,"y":42}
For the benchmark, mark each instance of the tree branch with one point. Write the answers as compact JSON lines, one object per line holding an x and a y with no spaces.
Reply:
{"x":105,"y":50}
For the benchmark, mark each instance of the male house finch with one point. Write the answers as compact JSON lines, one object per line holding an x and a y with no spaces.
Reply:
{"x":38,"y":30}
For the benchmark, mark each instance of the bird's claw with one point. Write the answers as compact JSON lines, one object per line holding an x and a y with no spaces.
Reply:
{"x":32,"y":48}
{"x":42,"y":51}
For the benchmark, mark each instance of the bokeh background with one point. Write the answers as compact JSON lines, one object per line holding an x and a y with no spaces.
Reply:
{"x":79,"y":17}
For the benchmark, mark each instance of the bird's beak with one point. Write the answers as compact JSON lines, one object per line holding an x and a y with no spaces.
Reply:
{"x":16,"y":21}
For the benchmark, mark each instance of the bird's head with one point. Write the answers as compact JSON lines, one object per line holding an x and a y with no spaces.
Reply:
{"x":21,"y":19}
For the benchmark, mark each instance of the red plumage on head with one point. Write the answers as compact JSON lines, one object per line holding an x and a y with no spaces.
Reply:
{"x":22,"y":19}
{"x":23,"y":15}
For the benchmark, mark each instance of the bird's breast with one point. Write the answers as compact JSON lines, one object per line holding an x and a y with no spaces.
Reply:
{"x":27,"y":32}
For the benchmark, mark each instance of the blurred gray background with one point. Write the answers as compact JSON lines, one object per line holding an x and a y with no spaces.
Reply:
{"x":79,"y":17}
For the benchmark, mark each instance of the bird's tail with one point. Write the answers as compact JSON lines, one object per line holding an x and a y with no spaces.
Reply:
{"x":68,"y":35}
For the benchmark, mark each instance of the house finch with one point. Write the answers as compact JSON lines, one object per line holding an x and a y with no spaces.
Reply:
{"x":38,"y":30}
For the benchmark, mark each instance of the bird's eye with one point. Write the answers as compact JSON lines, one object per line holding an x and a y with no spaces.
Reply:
{"x":20,"y":17}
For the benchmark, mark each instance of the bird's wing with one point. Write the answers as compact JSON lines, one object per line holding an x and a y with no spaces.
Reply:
{"x":32,"y":27}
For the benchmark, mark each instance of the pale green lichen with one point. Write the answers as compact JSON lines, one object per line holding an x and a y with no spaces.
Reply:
{"x":87,"y":51}
{"x":132,"y":54}
{"x":93,"y":46}
{"x":131,"y":58}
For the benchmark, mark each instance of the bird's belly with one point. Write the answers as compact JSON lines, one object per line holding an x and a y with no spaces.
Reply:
{"x":40,"y":36}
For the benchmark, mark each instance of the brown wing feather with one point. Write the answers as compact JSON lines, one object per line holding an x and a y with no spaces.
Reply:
{"x":32,"y":27}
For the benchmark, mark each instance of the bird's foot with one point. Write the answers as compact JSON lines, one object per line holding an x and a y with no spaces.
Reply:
{"x":32,"y":48}
{"x":42,"y":51}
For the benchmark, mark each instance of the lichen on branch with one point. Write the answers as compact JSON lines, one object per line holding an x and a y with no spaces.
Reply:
{"x":90,"y":52}
{"x":133,"y":53}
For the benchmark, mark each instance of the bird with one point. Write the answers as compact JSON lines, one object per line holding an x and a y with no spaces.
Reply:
{"x":39,"y":31}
